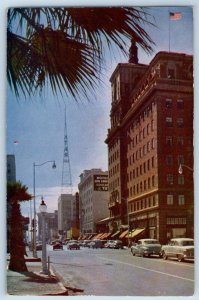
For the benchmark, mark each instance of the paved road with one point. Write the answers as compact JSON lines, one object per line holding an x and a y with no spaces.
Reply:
{"x":109,"y":272}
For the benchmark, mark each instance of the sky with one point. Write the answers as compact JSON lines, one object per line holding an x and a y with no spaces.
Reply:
{"x":38,"y":124}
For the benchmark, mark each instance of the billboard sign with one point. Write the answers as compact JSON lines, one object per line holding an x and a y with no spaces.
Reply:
{"x":100,"y":183}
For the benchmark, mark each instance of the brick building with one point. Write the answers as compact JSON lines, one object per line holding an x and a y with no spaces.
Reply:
{"x":151,"y":134}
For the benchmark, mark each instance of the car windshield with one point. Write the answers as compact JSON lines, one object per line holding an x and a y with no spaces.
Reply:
{"x":151,"y":242}
{"x":187,"y":243}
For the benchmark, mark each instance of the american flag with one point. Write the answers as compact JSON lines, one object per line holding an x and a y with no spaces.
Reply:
{"x":175,"y":15}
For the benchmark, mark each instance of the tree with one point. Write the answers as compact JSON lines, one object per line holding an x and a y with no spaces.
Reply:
{"x":16,"y":193}
{"x":65,"y":46}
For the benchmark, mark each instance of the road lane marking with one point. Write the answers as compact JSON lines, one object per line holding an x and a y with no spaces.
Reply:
{"x":146,"y":269}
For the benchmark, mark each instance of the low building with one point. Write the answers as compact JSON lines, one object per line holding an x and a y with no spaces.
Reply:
{"x":66,"y":212}
{"x":93,"y":199}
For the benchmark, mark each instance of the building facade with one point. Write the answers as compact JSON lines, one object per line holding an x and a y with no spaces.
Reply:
{"x":66,"y":212}
{"x":93,"y":199}
{"x":11,"y":168}
{"x":51,"y":221}
{"x":151,"y":135}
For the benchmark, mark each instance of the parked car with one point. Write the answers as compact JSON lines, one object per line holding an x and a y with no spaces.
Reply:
{"x":58,"y":246}
{"x":85,"y":243}
{"x":96,"y":244}
{"x":116,"y":244}
{"x":39,"y":247}
{"x":73,"y":245}
{"x":180,"y":248}
{"x":108,"y":244}
{"x":146,"y":247}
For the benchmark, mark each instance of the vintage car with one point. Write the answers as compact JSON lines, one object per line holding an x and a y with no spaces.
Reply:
{"x":180,"y":248}
{"x":73,"y":245}
{"x":58,"y":246}
{"x":116,"y":245}
{"x":146,"y":247}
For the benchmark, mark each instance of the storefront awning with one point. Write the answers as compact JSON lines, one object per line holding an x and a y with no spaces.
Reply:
{"x":135,"y":232}
{"x":97,"y":237}
{"x":105,"y":235}
{"x":123,"y":234}
{"x":115,"y":234}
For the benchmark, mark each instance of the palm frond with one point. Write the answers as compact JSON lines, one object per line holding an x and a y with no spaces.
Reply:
{"x":65,"y":46}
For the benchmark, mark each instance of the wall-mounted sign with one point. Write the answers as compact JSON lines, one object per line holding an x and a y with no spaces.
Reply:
{"x":100,"y":183}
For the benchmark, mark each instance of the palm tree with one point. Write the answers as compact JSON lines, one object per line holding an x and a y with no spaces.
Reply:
{"x":65,"y":46}
{"x":16,"y":193}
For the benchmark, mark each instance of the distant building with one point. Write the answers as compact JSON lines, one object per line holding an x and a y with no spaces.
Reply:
{"x":11,"y":168}
{"x":66,"y":212}
{"x":93,"y":199}
{"x":151,"y":134}
{"x":51,"y":225}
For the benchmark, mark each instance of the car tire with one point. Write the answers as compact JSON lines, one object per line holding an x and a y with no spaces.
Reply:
{"x":180,"y":258}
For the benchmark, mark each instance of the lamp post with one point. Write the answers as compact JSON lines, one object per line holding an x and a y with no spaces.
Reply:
{"x":180,"y":169}
{"x":128,"y":223}
{"x":43,"y":209}
{"x":34,"y":204}
{"x":127,"y":207}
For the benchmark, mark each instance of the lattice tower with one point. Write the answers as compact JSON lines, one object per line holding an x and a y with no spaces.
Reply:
{"x":66,"y":184}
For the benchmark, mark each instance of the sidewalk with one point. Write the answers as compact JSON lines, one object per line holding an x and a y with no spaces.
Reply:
{"x":33,"y":282}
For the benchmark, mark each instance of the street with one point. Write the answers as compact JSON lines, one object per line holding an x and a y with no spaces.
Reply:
{"x":112,"y":272}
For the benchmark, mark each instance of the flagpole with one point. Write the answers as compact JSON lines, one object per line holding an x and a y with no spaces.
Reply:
{"x":169,"y":32}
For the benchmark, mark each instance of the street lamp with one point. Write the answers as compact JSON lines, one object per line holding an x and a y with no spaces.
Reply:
{"x":34,"y":206}
{"x":43,"y":209}
{"x":128,"y":223}
{"x":180,"y":169}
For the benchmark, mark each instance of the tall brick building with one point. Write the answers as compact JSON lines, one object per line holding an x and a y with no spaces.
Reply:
{"x":151,"y":134}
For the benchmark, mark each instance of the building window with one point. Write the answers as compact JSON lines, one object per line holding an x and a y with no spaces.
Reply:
{"x":181,"y":179}
{"x":180,"y":159}
{"x":168,"y":103}
{"x":144,"y":149}
{"x":140,"y":169}
{"x":153,"y":144}
{"x":140,"y":186}
{"x":171,"y":73}
{"x":144,"y":166}
{"x":180,"y":140}
{"x":148,"y":146}
{"x":149,"y":183}
{"x":169,"y":199}
{"x":148,"y":164}
{"x":180,"y":103}
{"x":144,"y":132}
{"x":169,"y":160}
{"x":152,"y":125}
{"x":148,"y":126}
{"x":170,"y":178}
{"x":153,"y":180}
{"x":169,"y":140}
{"x":181,"y":200}
{"x":169,"y":121}
{"x":144,"y":185}
{"x":152,"y":162}
{"x":180,"y":122}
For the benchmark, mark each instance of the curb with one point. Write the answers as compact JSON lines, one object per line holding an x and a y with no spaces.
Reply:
{"x":72,"y":291}
{"x":53,"y":272}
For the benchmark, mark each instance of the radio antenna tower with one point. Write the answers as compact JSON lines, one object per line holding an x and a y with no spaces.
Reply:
{"x":66,"y":170}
